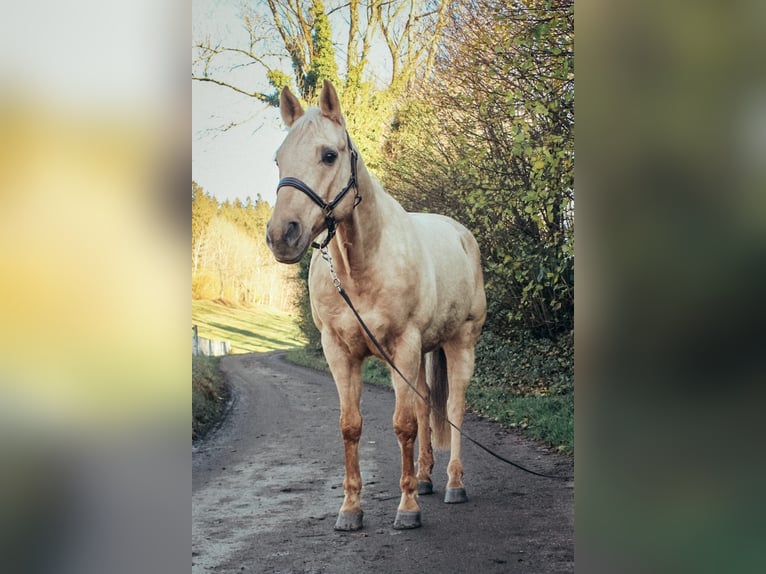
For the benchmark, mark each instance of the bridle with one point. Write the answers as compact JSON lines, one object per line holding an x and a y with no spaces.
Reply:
{"x":329,"y":217}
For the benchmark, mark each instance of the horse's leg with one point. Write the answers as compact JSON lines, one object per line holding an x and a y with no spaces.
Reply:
{"x":425,"y":450}
{"x":347,"y":372}
{"x":460,"y":361}
{"x":407,"y":358}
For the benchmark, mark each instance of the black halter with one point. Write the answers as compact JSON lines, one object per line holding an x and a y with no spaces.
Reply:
{"x":329,"y":217}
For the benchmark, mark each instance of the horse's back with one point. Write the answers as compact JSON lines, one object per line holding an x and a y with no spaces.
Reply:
{"x":445,"y":238}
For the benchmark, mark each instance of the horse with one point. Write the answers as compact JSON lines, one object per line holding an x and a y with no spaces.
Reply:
{"x":415,"y":279}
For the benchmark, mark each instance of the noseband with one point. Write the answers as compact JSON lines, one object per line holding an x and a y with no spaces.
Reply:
{"x":327,"y":208}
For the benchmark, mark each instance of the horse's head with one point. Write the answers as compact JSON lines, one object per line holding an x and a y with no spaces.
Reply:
{"x":317,"y":167}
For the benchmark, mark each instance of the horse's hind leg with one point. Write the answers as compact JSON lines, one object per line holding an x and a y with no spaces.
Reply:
{"x":347,"y":373}
{"x":407,"y":359}
{"x":460,"y":362}
{"x":425,"y":450}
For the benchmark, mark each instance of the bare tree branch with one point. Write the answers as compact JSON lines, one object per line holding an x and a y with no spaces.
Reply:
{"x":257,"y":95}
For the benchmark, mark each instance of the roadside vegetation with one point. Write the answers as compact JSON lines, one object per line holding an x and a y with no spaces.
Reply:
{"x":209,"y":394}
{"x":249,"y":329}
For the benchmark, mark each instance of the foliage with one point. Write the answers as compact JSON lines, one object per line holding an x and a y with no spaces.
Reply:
{"x":303,"y":303}
{"x":527,"y":382}
{"x":323,"y":65}
{"x":491,"y":143}
{"x":368,"y":113}
{"x":209,"y":394}
{"x":525,"y":364}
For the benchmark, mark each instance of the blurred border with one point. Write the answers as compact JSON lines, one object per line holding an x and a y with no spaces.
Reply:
{"x":671,"y":246}
{"x":95,"y":149}
{"x":94,"y":284}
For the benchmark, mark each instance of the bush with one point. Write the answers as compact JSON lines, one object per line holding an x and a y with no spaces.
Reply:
{"x":523,"y":364}
{"x":528,"y":383}
{"x":209,"y":394}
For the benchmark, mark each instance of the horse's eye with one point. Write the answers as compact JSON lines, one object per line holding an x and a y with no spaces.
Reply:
{"x":329,"y":156}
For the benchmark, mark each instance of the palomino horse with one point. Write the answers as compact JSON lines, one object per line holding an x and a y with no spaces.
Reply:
{"x":415,"y":279}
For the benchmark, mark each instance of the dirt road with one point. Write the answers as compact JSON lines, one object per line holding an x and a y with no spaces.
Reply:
{"x":267,"y":486}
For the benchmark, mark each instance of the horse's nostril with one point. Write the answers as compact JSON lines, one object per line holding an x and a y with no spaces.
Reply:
{"x":292,"y":233}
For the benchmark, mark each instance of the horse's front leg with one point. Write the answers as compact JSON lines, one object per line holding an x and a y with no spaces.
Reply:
{"x":347,"y":372}
{"x":407,"y":358}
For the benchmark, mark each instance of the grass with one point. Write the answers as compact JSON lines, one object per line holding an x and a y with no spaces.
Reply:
{"x":248,"y":329}
{"x":546,"y":418}
{"x":209,"y":394}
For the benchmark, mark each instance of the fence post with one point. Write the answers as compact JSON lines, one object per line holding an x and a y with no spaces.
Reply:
{"x":195,"y":341}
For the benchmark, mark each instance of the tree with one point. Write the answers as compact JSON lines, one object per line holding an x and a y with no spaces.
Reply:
{"x":300,"y":32}
{"x":204,"y":207}
{"x":230,"y":259}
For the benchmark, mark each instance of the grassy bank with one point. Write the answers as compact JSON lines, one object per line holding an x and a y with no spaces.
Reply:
{"x":527,"y":385}
{"x":209,"y":394}
{"x":248,"y":329}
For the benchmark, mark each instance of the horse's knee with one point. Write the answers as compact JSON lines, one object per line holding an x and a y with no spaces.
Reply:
{"x":351,"y":427}
{"x":406,"y":429}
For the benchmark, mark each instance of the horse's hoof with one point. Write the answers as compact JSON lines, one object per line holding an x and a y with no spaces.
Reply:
{"x":407,"y":519}
{"x":349,"y":521}
{"x":425,"y":487}
{"x":455,"y":496}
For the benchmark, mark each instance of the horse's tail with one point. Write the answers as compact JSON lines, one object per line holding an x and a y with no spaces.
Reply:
{"x":436,"y":374}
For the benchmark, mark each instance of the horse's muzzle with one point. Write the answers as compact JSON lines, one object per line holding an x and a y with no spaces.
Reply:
{"x":288,"y":242}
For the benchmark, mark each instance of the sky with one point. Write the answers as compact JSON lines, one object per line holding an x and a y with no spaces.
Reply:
{"x":238,"y":162}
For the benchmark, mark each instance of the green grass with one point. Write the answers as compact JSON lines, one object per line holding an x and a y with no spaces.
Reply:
{"x":546,"y":418}
{"x":248,"y":329}
{"x":209,"y":394}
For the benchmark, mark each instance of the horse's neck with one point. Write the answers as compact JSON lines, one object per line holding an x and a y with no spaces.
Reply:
{"x":359,"y":237}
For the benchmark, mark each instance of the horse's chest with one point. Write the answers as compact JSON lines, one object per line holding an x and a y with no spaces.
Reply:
{"x":386,"y":321}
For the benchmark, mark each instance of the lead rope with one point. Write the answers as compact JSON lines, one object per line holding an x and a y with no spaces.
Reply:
{"x":336,"y":282}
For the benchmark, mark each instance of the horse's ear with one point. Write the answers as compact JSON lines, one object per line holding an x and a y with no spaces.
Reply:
{"x":330,"y":104}
{"x":289,"y":106}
